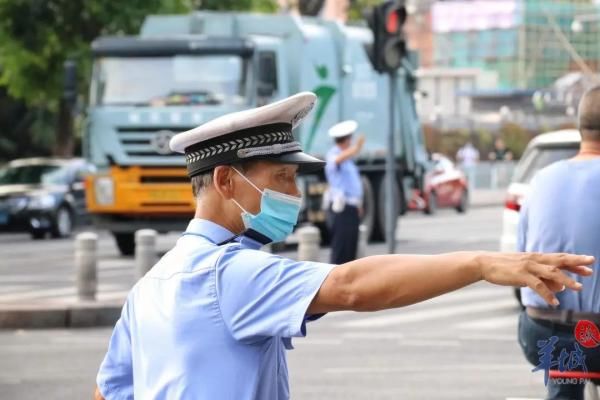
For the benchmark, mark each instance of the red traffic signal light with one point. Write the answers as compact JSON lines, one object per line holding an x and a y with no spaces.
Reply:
{"x":386,"y":21}
{"x":395,"y":16}
{"x":391,"y":23}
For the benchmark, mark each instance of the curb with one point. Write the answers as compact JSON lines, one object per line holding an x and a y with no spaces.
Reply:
{"x":74,"y":315}
{"x":486,"y":204}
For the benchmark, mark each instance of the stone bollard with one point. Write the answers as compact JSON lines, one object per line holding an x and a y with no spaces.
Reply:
{"x":309,"y":240}
{"x":145,"y":251}
{"x":86,"y":262}
{"x":361,"y":250}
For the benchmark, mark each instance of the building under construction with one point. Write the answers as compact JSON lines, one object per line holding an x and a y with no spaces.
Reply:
{"x":530,"y":43}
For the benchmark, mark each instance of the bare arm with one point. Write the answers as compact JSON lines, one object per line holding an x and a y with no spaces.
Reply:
{"x":390,"y":281}
{"x":98,"y":395}
{"x":351,"y":151}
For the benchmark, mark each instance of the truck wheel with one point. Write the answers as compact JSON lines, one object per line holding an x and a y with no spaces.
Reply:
{"x":403,"y":205}
{"x":464,"y":202}
{"x":517,"y":292}
{"x":369,"y":205}
{"x":380,"y":229}
{"x":125,"y":243}
{"x":431,"y":207}
{"x":325,"y":239}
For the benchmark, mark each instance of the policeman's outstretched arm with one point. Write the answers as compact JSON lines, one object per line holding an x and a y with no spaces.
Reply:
{"x":351,"y":151}
{"x":390,"y":281}
{"x":97,"y":394}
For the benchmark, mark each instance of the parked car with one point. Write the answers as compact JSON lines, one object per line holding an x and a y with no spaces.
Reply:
{"x":542,"y":151}
{"x":43,"y":195}
{"x":445,"y":186}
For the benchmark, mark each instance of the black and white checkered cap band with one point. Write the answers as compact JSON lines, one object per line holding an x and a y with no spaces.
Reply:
{"x":260,"y":141}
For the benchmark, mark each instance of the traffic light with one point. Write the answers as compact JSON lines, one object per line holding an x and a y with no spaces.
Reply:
{"x":389,"y":47}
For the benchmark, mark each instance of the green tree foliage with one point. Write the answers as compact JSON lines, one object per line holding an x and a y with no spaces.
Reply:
{"x":357,"y":7}
{"x":516,"y":138}
{"x":268,"y":6}
{"x":36,"y":36}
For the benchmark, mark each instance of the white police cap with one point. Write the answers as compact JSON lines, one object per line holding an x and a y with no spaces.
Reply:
{"x":343,"y":128}
{"x":260,"y":133}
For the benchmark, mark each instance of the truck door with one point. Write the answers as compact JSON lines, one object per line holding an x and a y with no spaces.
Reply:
{"x":364,"y":98}
{"x":320,"y":74}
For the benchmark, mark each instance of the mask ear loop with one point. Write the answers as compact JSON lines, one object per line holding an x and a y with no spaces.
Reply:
{"x":238,"y":204}
{"x":247,"y":180}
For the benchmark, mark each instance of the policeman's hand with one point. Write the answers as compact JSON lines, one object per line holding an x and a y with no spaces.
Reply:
{"x":360,"y":141}
{"x":541,"y":272}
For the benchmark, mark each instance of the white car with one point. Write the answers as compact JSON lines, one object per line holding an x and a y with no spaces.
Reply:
{"x":542,"y":151}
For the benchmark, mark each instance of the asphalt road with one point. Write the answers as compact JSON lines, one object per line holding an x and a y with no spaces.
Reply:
{"x":458,"y":346}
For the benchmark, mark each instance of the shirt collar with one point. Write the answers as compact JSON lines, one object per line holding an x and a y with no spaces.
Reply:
{"x":249,"y":243}
{"x":208,"y":229}
{"x":218,"y":234}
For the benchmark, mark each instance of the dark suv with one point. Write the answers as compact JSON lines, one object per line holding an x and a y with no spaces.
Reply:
{"x":43,"y":195}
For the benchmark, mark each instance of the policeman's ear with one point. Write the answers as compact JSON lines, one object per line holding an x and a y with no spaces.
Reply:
{"x":223,"y":181}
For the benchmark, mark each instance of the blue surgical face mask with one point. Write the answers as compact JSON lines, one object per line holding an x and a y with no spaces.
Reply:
{"x":278,"y":213}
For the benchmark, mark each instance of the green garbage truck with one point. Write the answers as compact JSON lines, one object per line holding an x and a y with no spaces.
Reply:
{"x":183,"y":70}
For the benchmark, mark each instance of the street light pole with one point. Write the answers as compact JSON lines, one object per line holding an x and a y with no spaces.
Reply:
{"x":390,"y":171}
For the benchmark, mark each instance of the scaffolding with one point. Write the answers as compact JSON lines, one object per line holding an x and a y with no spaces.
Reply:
{"x":530,"y":43}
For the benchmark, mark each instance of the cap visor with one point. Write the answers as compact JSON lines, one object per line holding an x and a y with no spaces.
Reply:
{"x":306,"y":163}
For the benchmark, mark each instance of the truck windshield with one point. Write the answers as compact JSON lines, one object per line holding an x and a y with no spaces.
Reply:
{"x":170,"y":81}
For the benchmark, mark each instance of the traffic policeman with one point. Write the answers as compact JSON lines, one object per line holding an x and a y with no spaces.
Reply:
{"x":214,"y":317}
{"x":345,"y":192}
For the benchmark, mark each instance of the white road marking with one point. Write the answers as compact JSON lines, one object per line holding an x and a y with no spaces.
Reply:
{"x":492,"y":323}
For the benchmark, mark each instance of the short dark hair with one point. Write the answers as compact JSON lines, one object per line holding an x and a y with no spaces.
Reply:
{"x":342,"y":139}
{"x":589,"y":114}
{"x":201,"y":182}
{"x":205,"y":180}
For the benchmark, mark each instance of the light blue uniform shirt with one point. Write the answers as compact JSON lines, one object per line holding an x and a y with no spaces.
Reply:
{"x":210,"y":322}
{"x":562,"y":214}
{"x":343,"y":178}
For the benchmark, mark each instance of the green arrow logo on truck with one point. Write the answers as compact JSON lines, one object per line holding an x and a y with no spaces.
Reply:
{"x":324,"y":94}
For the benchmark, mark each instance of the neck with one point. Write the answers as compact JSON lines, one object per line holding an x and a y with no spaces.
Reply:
{"x":212,"y":208}
{"x":588,"y":150}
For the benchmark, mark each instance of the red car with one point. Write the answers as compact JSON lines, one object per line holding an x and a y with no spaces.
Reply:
{"x":445,"y":186}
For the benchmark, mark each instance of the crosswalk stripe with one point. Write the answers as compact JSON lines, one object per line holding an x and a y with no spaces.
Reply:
{"x":416,"y":369}
{"x":44,"y":280}
{"x":101,"y":296}
{"x":54,"y":292}
{"x":491,"y":323}
{"x":8,"y":289}
{"x":523,"y":398}
{"x":487,"y":336}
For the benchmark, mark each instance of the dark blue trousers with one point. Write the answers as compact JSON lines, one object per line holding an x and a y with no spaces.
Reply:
{"x":531,"y":330}
{"x":343,"y":228}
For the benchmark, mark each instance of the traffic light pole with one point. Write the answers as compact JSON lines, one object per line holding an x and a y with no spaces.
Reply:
{"x":390,"y":172}
{"x":386,"y":53}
